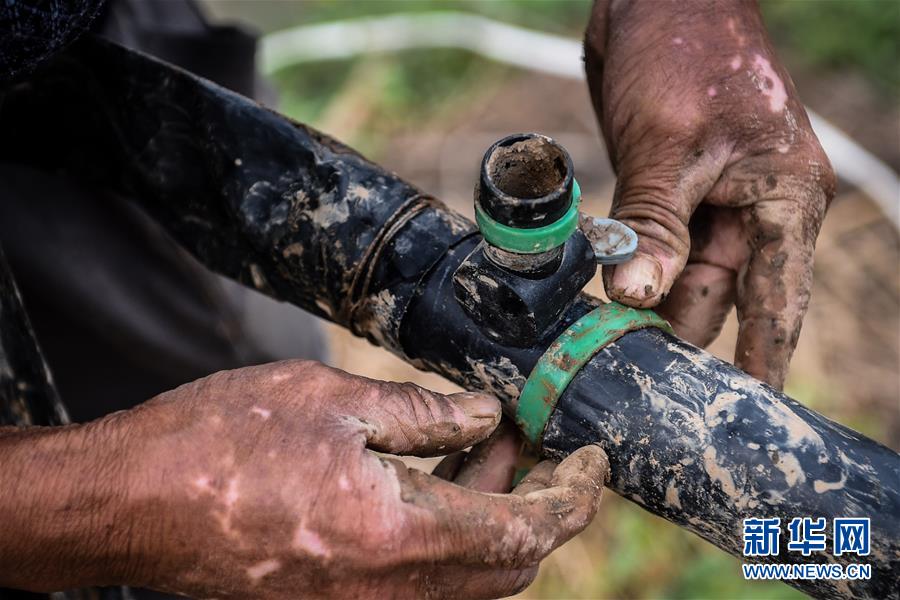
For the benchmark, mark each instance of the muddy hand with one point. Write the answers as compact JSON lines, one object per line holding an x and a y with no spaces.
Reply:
{"x":262,"y":483}
{"x":718,"y":172}
{"x":300,"y":503}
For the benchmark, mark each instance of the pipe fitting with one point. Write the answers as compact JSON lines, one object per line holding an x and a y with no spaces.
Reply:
{"x":526,"y":202}
{"x":533,"y":260}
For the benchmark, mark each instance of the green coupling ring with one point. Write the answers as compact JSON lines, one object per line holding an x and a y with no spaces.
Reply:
{"x":531,"y":241}
{"x":568,"y":353}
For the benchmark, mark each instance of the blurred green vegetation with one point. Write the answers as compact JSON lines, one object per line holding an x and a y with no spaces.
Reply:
{"x":557,"y":16}
{"x":386,"y":94}
{"x":848,"y":34}
{"x":412,"y":87}
{"x":417,"y":86}
{"x":628,"y":553}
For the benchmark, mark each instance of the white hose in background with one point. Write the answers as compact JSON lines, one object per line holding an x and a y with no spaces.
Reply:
{"x":859,"y":167}
{"x":504,"y":43}
{"x":536,"y":51}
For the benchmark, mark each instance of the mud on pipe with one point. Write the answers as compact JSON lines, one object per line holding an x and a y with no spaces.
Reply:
{"x":307,"y":220}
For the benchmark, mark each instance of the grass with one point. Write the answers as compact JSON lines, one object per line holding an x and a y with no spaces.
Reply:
{"x":861,"y":35}
{"x":384,"y":95}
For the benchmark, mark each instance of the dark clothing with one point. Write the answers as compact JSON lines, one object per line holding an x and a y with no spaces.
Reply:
{"x":121,"y":312}
{"x":31,"y":31}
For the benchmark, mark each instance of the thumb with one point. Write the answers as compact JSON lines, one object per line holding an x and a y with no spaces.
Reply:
{"x":403,"y":418}
{"x":656,"y":199}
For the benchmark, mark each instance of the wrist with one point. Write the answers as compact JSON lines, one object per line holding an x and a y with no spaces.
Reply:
{"x":682,"y":18}
{"x":64,"y":498}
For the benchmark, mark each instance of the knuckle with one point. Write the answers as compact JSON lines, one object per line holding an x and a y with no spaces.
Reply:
{"x":289,"y":371}
{"x":584,"y":511}
{"x":810,"y":166}
{"x":424,"y":408}
{"x":507,"y":582}
{"x":522,"y":579}
{"x":822,"y":175}
{"x":429,"y":587}
{"x":524,"y":543}
{"x":307,"y":368}
{"x":320,"y":377}
{"x":651,"y":211}
{"x":380,"y":545}
{"x":809,"y":176}
{"x":220,"y":385}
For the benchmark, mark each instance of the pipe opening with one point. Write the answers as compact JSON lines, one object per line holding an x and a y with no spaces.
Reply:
{"x":526,"y":181}
{"x":528,"y":168}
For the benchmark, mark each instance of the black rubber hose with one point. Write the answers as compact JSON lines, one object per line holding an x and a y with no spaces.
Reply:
{"x":307,"y":220}
{"x":699,"y":442}
{"x":691,"y":438}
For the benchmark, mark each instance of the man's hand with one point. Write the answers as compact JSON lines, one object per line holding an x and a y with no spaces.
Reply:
{"x":718,"y":172}
{"x":262,"y":483}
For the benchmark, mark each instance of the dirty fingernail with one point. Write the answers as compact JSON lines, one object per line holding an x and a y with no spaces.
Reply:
{"x":478,"y":406}
{"x":639,"y":279}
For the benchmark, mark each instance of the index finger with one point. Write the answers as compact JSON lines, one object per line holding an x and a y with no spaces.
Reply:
{"x":507,"y":530}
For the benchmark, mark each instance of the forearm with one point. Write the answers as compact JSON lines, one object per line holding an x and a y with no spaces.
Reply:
{"x":64,"y":507}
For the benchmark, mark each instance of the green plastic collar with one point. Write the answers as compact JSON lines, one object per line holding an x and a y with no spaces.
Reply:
{"x":565,"y":357}
{"x":531,"y":241}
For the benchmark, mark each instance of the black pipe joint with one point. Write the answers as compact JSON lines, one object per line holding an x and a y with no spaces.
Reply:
{"x":514,"y":308}
{"x":526,"y":182}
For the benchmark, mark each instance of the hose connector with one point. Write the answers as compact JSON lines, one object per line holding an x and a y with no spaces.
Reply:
{"x":526,"y":201}
{"x":533,"y":260}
